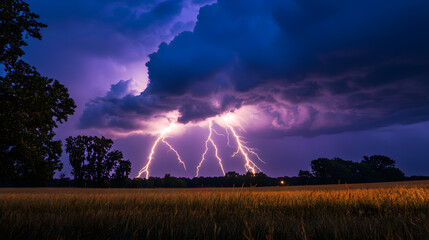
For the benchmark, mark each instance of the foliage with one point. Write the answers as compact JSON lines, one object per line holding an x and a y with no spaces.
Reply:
{"x":305,"y":177}
{"x":17,"y":22}
{"x":357,"y":211}
{"x":378,"y":162}
{"x":92,"y":160}
{"x":230,"y":179}
{"x":31,"y":105}
{"x":370,"y":169}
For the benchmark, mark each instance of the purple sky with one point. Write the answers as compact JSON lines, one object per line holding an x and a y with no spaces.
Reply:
{"x":305,"y":79}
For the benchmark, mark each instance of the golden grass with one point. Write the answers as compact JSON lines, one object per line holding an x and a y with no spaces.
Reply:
{"x":356,"y":211}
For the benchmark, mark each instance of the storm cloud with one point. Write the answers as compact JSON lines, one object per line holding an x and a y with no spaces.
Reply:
{"x":312,"y":66}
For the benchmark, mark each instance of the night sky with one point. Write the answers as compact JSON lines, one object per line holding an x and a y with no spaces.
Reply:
{"x":298,"y":79}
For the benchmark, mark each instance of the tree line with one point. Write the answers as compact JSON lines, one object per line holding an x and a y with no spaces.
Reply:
{"x":111,"y":171}
{"x":375,"y":168}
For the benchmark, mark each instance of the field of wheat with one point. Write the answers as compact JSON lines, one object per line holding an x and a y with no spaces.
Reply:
{"x":357,"y":211}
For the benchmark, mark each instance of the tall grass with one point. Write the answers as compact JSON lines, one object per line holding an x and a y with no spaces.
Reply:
{"x":361,"y":211}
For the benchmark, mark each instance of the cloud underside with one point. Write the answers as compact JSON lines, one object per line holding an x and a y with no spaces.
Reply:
{"x":308,"y":67}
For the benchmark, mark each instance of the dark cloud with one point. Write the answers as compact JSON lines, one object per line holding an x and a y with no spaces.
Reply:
{"x":194,"y":110}
{"x":91,"y":44}
{"x":302,"y":93}
{"x":256,"y":45}
{"x":157,"y":16}
{"x":119,"y":90}
{"x":124,"y":31}
{"x":190,"y":59}
{"x":129,"y":111}
{"x":203,"y":2}
{"x":329,"y":66}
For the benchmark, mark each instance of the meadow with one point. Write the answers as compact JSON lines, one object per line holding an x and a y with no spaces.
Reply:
{"x":398,"y":210}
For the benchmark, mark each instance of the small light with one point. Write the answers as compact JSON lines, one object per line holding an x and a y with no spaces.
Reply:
{"x":282,"y":182}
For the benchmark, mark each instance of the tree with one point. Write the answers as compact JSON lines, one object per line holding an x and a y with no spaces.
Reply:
{"x":304,"y":176}
{"x":334,"y":170}
{"x":342,"y":170}
{"x":93,"y":160}
{"x":232,"y":175}
{"x":123,"y":167}
{"x":383,"y":168}
{"x":322,"y":168}
{"x":260,"y":179}
{"x":378,"y":162}
{"x":31,"y":105}
{"x":392,"y":174}
{"x":17,"y":22}
{"x":76,"y":148}
{"x":373,"y":168}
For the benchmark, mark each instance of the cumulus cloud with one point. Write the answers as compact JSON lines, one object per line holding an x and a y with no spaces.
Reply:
{"x":313,"y":66}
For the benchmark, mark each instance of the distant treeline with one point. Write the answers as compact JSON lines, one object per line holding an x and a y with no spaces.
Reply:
{"x":95,"y":164}
{"x":376,"y":168}
{"x":246,"y":180}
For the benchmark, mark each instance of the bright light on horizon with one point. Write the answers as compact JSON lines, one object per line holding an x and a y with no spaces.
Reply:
{"x":230,"y":134}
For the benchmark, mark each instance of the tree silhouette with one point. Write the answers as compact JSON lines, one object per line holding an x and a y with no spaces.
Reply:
{"x":123,"y":168}
{"x":92,"y":160}
{"x":378,"y":162}
{"x":232,"y":175}
{"x":373,"y":168}
{"x":31,"y":105}
{"x":17,"y":22}
{"x":304,"y":177}
{"x":383,"y":168}
{"x":322,"y":168}
{"x":76,"y":148}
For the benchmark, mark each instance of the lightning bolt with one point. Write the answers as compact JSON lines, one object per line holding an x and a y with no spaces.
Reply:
{"x":161,"y":138}
{"x":219,"y":134}
{"x":174,"y":150}
{"x":227,"y":136}
{"x":244,"y":150}
{"x":209,"y":139}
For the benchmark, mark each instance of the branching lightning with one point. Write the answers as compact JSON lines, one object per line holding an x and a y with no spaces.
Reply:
{"x":174,"y":150}
{"x":244,"y":150}
{"x":209,"y":139}
{"x":219,"y":134}
{"x":161,"y":137}
{"x":227,"y":134}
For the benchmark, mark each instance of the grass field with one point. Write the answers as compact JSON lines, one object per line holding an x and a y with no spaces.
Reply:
{"x":358,"y":211}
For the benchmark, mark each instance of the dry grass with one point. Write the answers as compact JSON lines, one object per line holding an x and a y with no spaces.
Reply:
{"x":357,"y":211}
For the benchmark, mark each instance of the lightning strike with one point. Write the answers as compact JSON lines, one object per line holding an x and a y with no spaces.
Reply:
{"x":227,"y":136}
{"x":161,"y":138}
{"x":229,"y":131}
{"x":219,"y":134}
{"x":209,"y":139}
{"x":244,"y":150}
{"x":174,"y":150}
